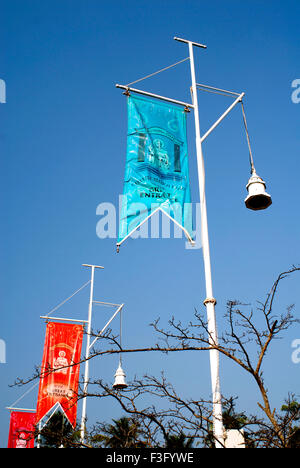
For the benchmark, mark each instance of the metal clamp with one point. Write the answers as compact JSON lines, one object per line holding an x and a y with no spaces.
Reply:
{"x":127,"y":92}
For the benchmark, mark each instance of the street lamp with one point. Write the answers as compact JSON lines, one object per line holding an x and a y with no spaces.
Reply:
{"x":258,"y":198}
{"x":120,"y":382}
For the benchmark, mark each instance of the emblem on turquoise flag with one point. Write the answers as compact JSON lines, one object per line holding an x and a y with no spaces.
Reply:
{"x":157,"y":171}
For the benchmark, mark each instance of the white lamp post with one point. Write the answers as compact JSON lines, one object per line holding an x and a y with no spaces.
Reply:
{"x":90,"y":345}
{"x":209,"y":302}
{"x":257,"y":199}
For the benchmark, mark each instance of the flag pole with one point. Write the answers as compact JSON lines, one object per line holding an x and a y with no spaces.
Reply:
{"x":210,"y":301}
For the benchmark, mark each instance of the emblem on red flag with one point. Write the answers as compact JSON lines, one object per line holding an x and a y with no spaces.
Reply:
{"x":21,"y":430}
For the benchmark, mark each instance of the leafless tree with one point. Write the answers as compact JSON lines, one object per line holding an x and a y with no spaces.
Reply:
{"x":246,"y":341}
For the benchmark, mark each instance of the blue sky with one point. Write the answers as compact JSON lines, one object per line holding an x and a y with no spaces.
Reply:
{"x":63,"y":146}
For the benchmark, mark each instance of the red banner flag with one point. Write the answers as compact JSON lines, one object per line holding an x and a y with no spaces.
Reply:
{"x":60,"y":370}
{"x":21,"y":430}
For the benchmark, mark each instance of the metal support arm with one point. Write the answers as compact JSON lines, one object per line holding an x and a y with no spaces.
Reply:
{"x":239,"y":99}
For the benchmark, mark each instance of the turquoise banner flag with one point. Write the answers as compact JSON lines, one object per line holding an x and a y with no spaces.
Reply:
{"x":157,"y":173}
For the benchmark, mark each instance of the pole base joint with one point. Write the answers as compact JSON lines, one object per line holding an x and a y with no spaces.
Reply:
{"x":210,"y":300}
